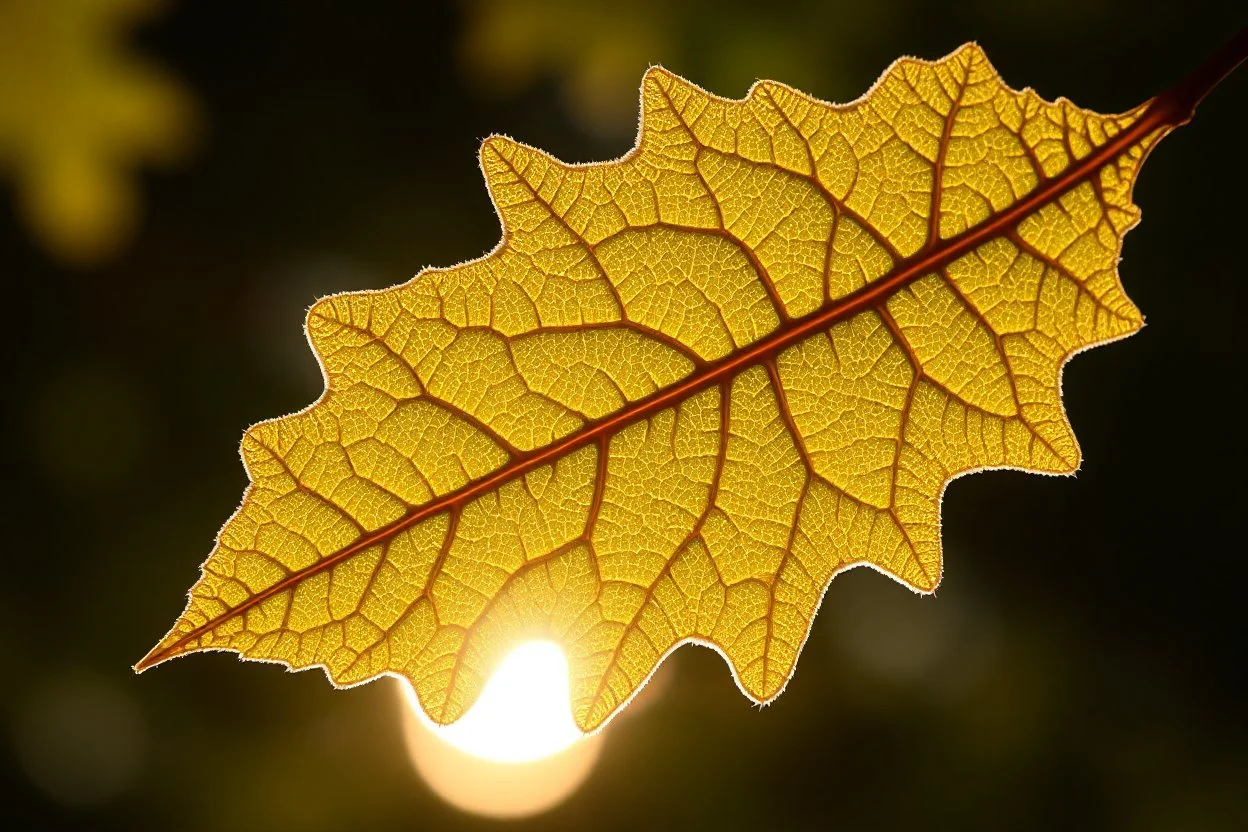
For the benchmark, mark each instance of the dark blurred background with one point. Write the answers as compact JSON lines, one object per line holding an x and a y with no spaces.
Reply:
{"x":181,"y":180}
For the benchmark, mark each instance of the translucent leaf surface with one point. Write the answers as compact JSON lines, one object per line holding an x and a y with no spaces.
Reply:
{"x":686,"y":390}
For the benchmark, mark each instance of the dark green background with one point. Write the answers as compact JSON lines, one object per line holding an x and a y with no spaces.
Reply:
{"x":1080,"y":668}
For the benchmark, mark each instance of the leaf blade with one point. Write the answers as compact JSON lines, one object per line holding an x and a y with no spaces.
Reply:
{"x":852,"y":470}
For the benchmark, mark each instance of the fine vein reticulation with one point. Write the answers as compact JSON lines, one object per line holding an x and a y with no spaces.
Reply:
{"x":687,"y":388}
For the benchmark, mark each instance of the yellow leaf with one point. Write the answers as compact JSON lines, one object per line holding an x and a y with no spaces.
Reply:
{"x":687,"y":389}
{"x":76,"y":111}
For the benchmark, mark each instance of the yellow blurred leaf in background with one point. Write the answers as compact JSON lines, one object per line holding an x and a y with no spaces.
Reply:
{"x":78,"y":112}
{"x":687,"y":389}
{"x":595,"y":51}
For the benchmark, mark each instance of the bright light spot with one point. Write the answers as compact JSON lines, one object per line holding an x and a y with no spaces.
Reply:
{"x":524,"y":713}
{"x":516,"y":752}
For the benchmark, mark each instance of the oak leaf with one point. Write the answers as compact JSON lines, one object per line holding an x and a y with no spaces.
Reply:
{"x":687,"y":389}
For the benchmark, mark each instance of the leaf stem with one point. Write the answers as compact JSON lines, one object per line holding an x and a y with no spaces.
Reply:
{"x":1177,"y":105}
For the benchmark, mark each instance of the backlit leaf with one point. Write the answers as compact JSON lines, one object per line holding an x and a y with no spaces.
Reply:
{"x":687,"y":389}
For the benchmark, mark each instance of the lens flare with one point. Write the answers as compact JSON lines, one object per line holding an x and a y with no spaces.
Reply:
{"x":523,"y":714}
{"x":517,"y":751}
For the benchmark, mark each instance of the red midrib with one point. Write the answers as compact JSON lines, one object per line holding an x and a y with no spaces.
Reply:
{"x":1159,"y":114}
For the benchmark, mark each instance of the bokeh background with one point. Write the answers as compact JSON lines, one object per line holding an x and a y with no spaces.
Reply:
{"x":179,"y":181}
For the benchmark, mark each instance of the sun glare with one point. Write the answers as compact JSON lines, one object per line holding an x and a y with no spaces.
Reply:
{"x":517,"y":751}
{"x":523,"y":714}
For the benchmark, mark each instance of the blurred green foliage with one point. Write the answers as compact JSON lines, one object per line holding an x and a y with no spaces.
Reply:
{"x":77,"y":111}
{"x":597,"y":51}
